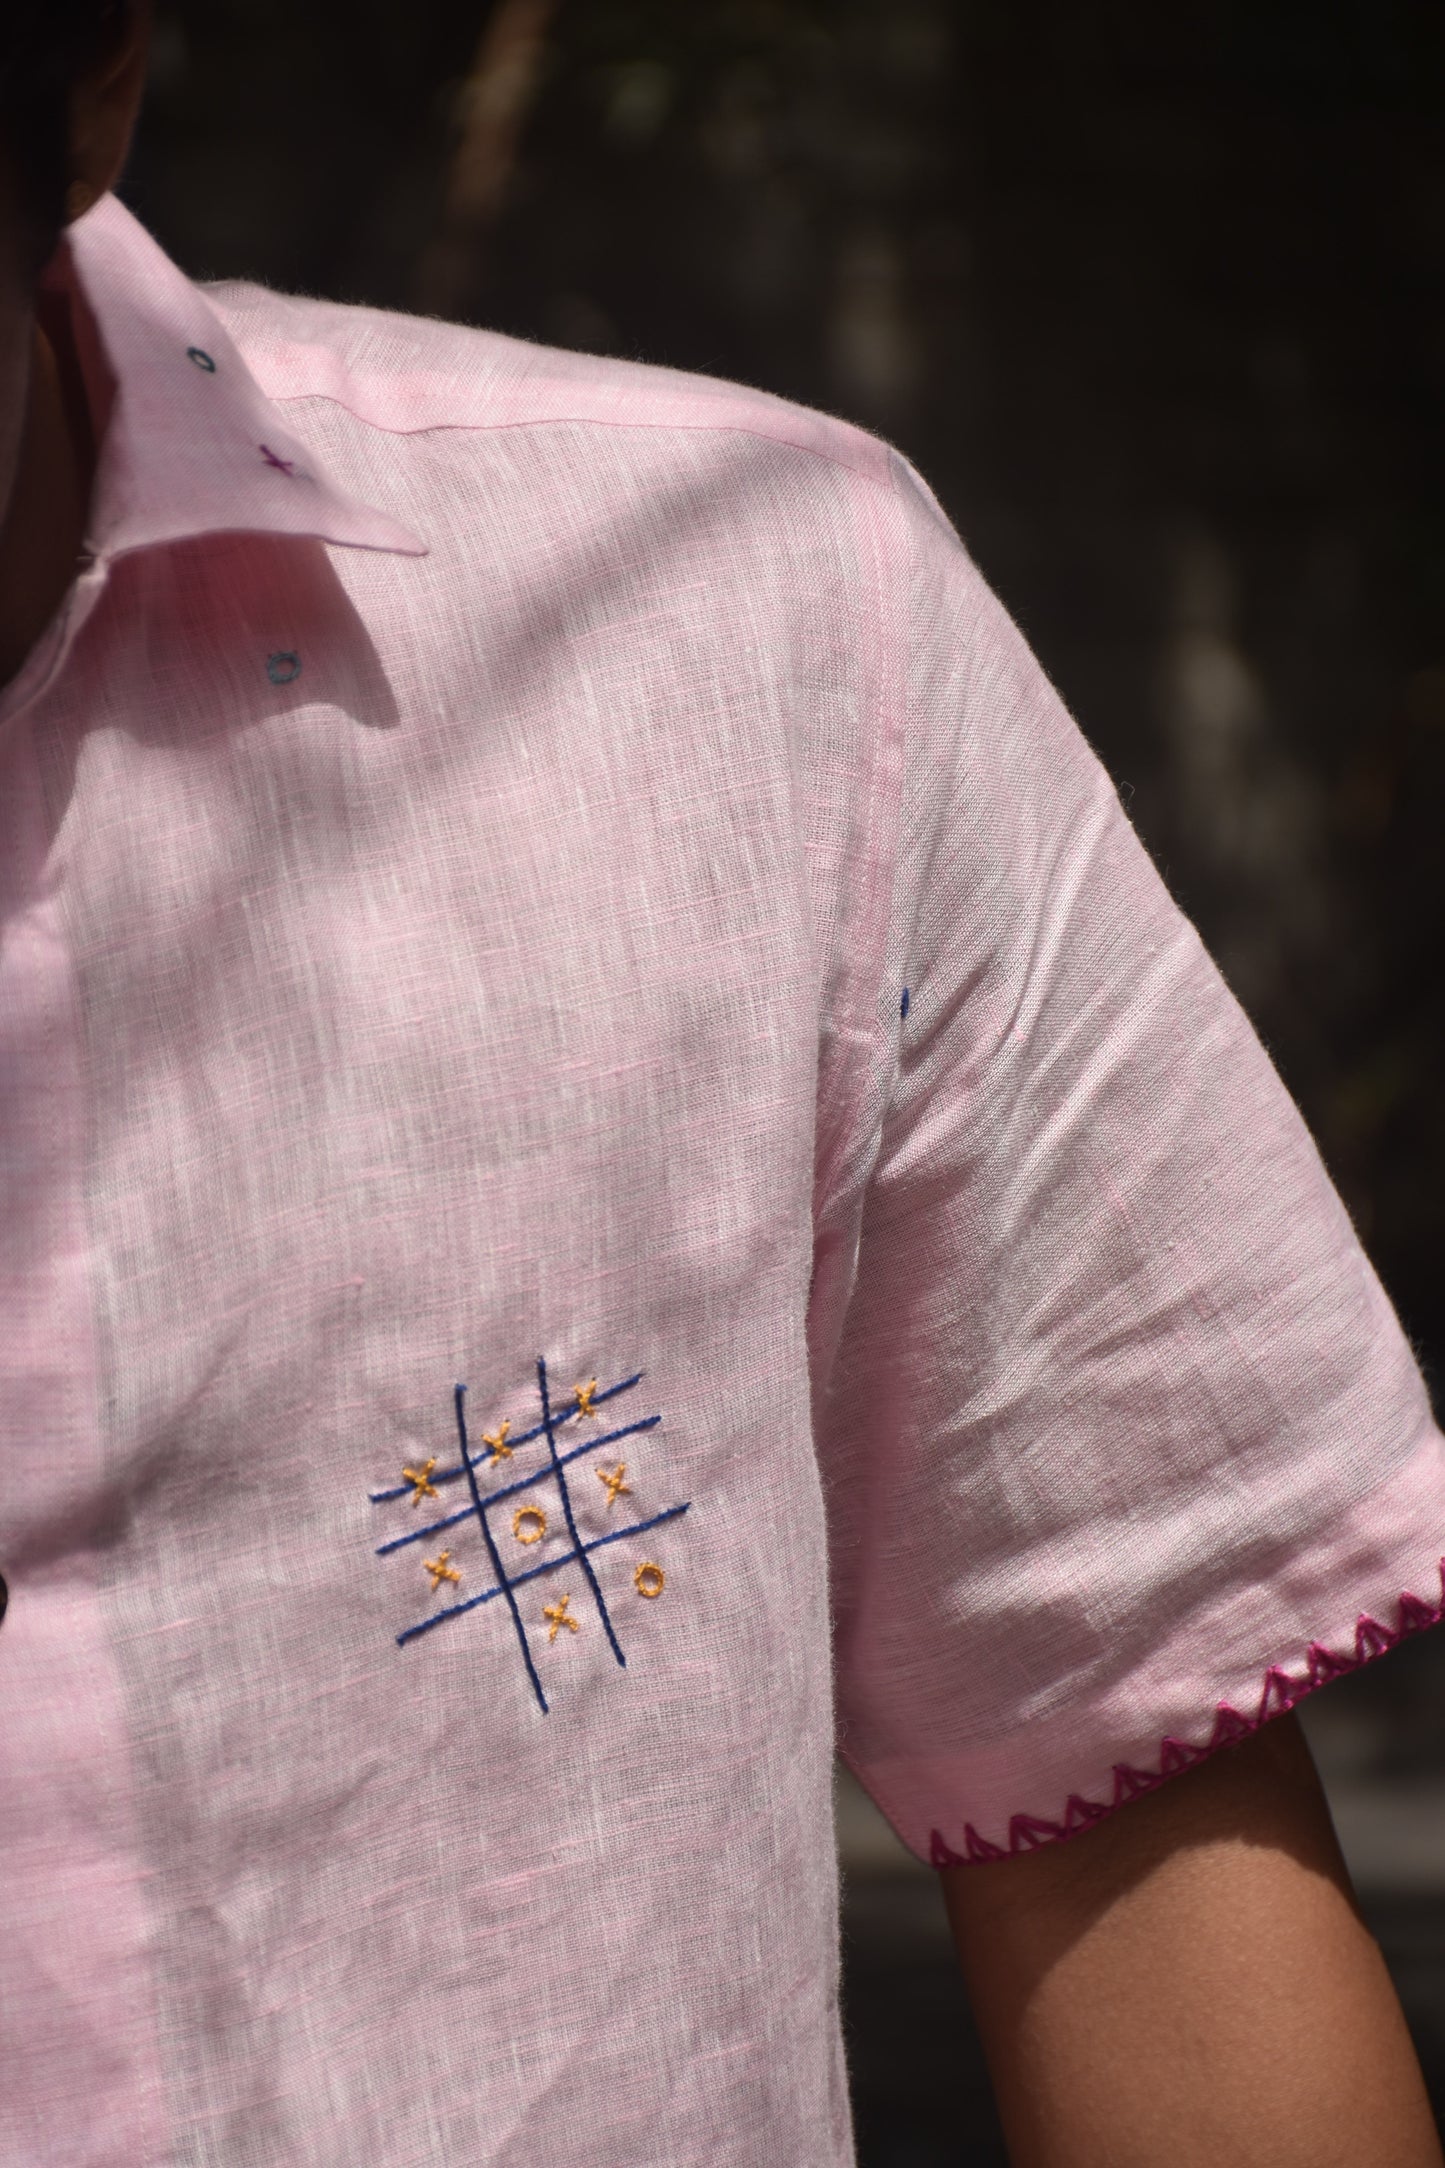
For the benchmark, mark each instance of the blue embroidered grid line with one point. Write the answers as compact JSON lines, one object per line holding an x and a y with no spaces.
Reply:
{"x":509,"y":1490}
{"x":562,"y":1484}
{"x":505,"y":1587}
{"x":524,"y":1437}
{"x":548,"y":1565}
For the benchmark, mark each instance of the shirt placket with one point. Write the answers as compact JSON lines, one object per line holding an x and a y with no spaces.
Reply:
{"x":84,"y":2060}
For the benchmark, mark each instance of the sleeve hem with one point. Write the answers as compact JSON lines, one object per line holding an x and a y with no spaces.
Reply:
{"x":1282,"y":1691}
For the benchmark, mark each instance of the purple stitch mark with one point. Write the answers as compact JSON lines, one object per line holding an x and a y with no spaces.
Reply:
{"x":283,"y":466}
{"x":903,"y":1006}
{"x":1026,"y":1832}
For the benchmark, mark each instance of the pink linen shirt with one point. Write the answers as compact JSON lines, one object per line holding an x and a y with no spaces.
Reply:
{"x":614,"y":1168}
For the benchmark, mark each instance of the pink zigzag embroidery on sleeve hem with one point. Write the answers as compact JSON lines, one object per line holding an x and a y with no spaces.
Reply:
{"x":1026,"y":1832}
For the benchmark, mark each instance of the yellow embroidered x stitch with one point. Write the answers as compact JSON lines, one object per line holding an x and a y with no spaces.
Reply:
{"x":497,"y":1440}
{"x":582,"y":1394}
{"x":612,"y":1479}
{"x":560,"y":1616}
{"x":440,"y":1571}
{"x":421,"y":1483}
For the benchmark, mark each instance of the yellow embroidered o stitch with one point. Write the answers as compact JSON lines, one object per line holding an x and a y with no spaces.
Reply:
{"x":612,"y":1479}
{"x":440,"y":1571}
{"x":529,"y":1524}
{"x":560,"y":1616}
{"x":497,"y":1441}
{"x":582,"y":1394}
{"x":649,"y":1580}
{"x":420,"y":1480}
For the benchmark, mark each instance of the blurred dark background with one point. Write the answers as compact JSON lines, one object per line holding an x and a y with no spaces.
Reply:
{"x":1153,"y":296}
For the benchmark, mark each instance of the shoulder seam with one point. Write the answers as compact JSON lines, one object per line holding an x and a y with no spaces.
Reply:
{"x":874,"y":468}
{"x":862,"y":1008}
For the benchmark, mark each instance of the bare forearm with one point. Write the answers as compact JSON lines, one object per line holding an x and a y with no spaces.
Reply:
{"x":1192,"y":1984}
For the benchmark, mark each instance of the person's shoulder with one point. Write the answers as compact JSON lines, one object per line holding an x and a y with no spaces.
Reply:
{"x":406,"y":374}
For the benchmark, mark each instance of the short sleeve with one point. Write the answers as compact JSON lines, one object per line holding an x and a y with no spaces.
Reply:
{"x":1123,"y":1446}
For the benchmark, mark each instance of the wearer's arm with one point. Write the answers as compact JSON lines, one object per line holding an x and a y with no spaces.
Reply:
{"x":1190,"y":1983}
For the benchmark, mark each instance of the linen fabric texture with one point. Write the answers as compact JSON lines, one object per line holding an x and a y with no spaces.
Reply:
{"x":463,"y":847}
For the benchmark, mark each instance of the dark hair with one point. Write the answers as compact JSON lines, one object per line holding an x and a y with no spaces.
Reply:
{"x":45,"y":47}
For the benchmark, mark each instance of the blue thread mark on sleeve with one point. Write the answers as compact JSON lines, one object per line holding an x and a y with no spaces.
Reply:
{"x":201,"y":358}
{"x":283,"y":668}
{"x":903,"y":1005}
{"x":525,"y":1437}
{"x":577,"y":1552}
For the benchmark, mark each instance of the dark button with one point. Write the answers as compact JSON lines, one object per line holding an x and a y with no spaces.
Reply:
{"x":201,"y":358}
{"x":284,"y":668}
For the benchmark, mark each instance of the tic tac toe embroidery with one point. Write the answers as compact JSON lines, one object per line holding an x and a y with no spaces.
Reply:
{"x":538,"y":1505}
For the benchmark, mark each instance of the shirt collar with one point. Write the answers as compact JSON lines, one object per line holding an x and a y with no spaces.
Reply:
{"x":193,"y":446}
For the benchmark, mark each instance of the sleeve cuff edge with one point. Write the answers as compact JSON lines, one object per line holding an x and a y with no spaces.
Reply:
{"x":1282,"y":1691}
